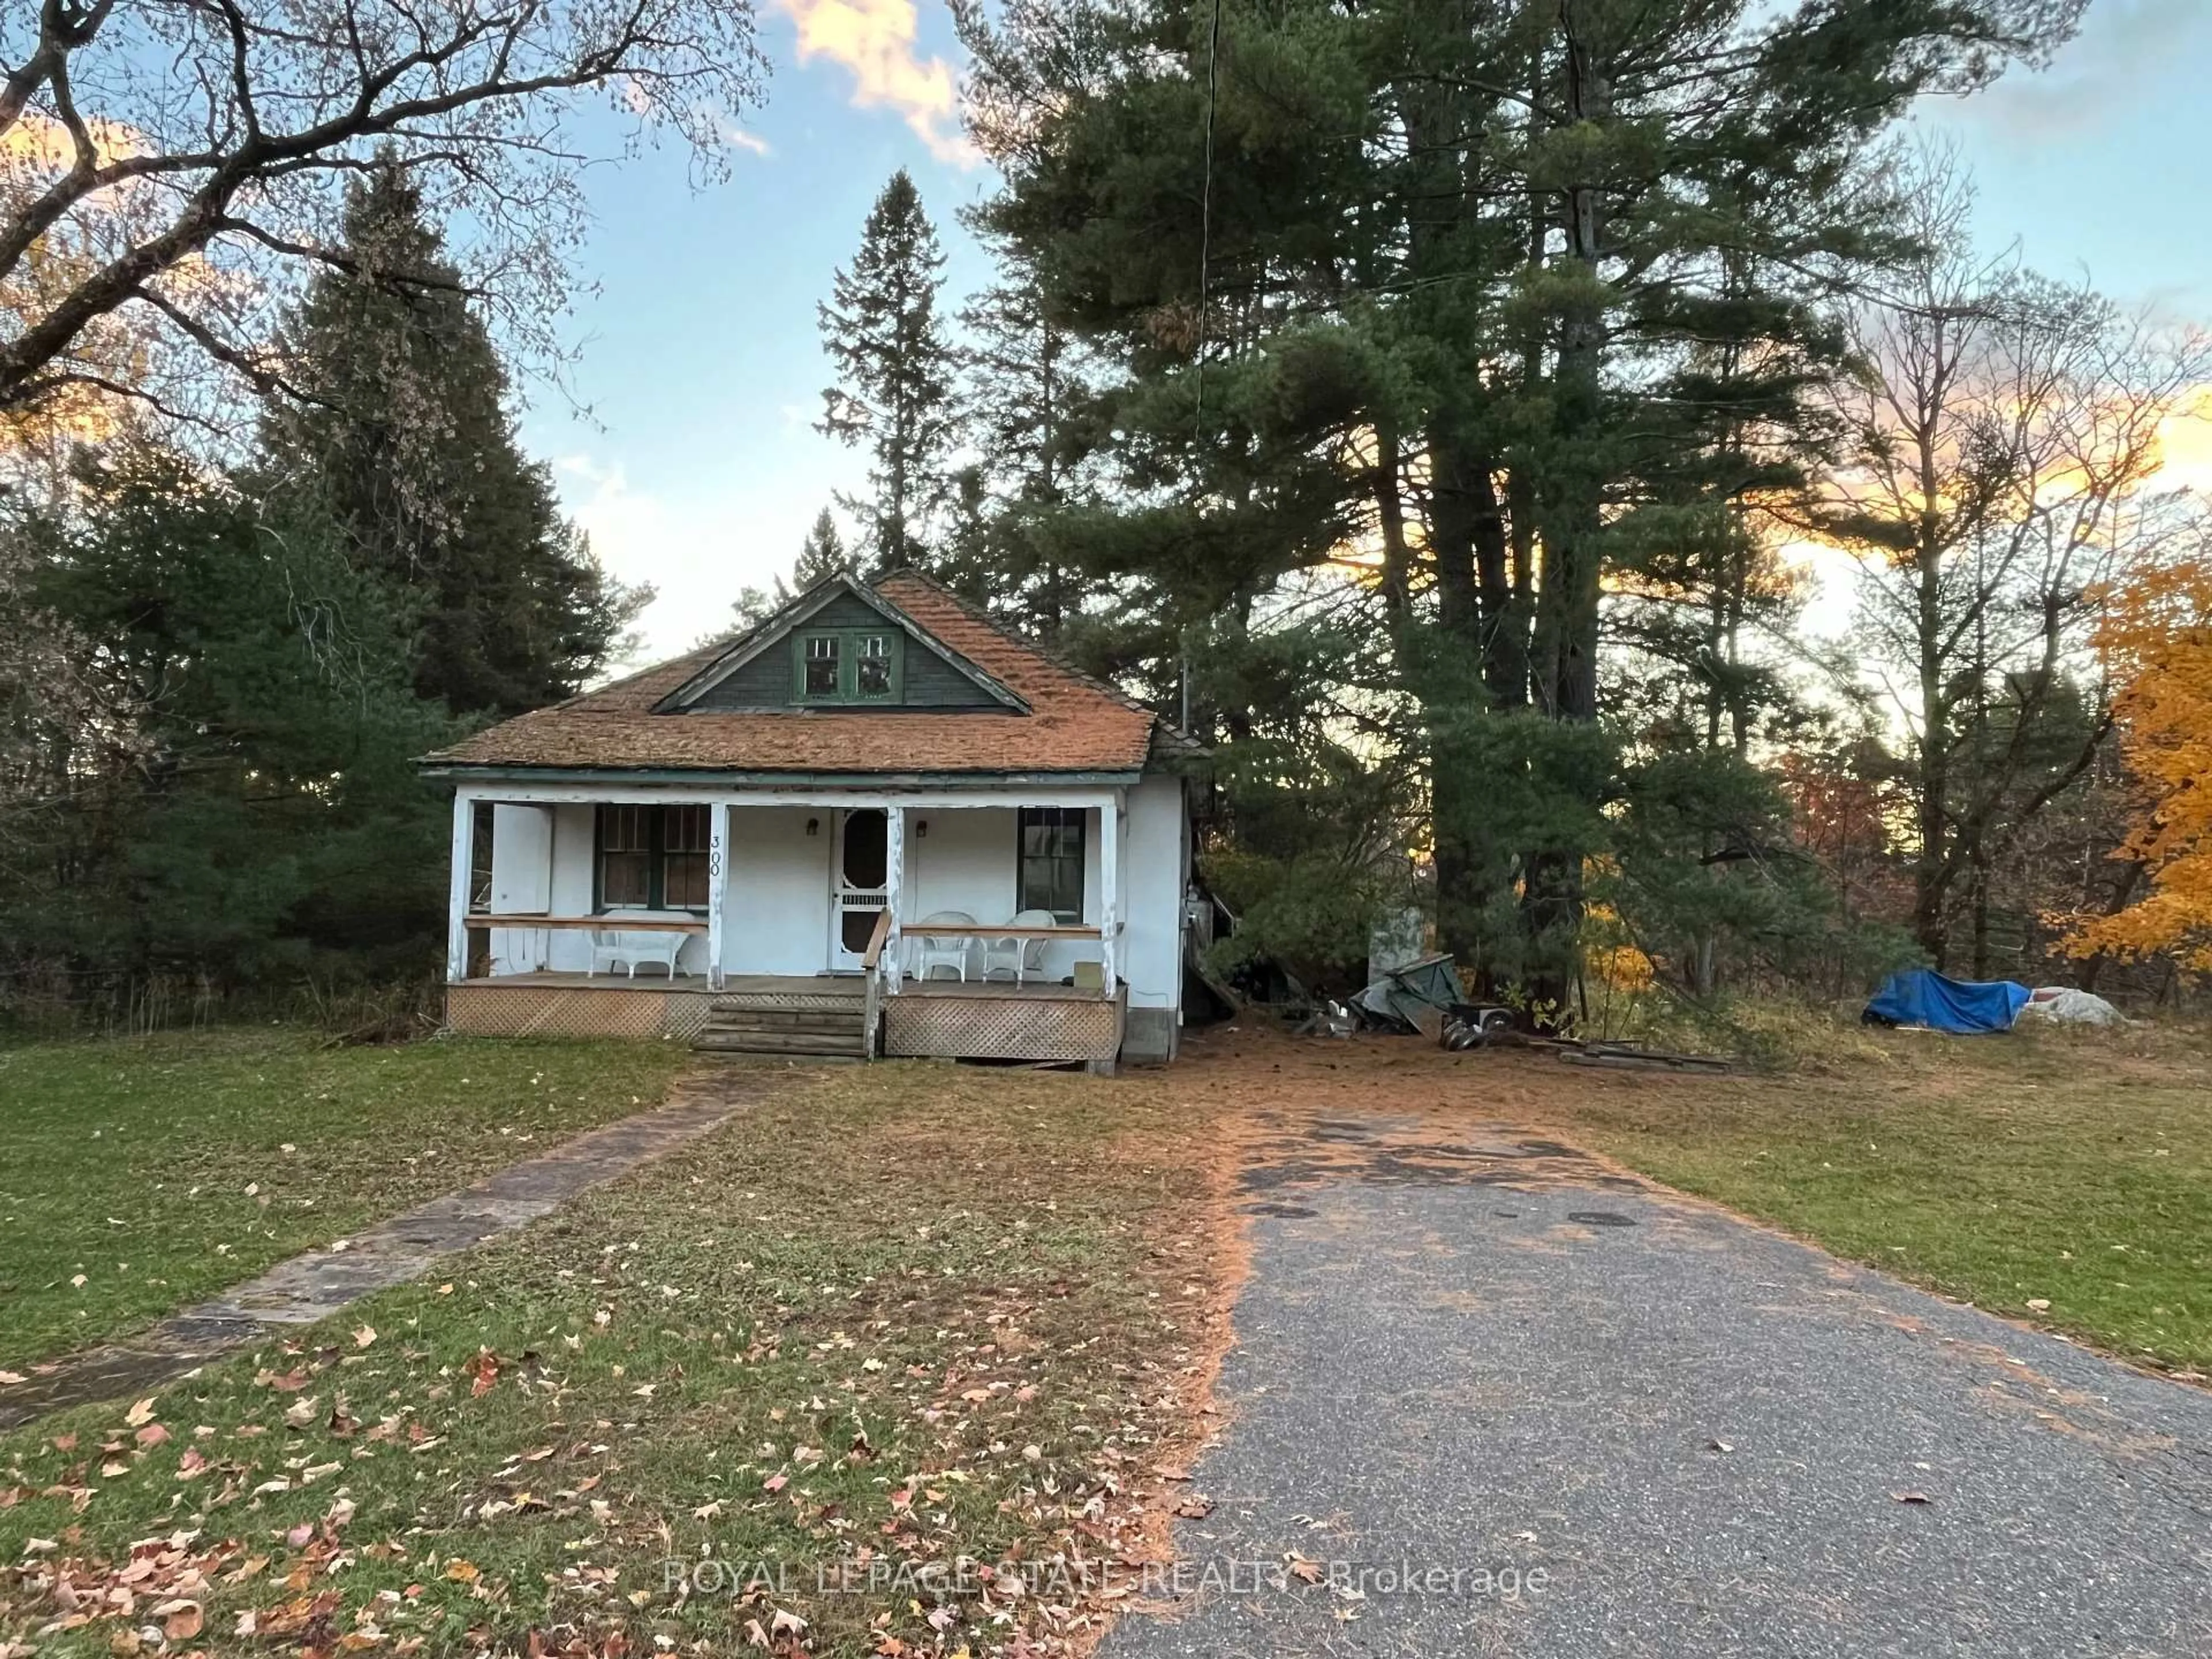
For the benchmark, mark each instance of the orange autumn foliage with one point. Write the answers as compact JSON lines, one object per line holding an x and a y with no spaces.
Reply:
{"x":2157,"y":641}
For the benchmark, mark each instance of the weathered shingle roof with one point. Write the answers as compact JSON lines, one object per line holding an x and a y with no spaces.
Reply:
{"x":1075,"y":724}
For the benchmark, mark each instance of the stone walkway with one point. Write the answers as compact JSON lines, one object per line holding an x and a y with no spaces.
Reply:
{"x":1490,"y":1397}
{"x":310,"y":1287}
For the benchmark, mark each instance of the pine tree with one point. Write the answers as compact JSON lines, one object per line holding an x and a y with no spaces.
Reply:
{"x":251,"y":806}
{"x":403,"y":436}
{"x":822,"y":554}
{"x":1024,"y":396}
{"x":895,"y":369}
{"x":1456,"y":298}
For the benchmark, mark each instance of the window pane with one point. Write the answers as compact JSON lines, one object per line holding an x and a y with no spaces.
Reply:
{"x":623,"y":861}
{"x":684,"y":829}
{"x":622,"y":828}
{"x":821,"y":666}
{"x":622,"y":880}
{"x":1052,"y":860}
{"x":873,"y":667}
{"x":683,"y":881}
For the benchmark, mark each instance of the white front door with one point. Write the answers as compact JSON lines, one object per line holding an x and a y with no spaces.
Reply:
{"x":860,"y":882}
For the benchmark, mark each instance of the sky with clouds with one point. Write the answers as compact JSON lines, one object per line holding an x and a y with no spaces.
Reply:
{"x":696,"y":467}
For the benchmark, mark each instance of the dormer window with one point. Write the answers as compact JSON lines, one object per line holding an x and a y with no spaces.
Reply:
{"x":823,"y":678}
{"x":872,"y":666}
{"x":849,"y":664}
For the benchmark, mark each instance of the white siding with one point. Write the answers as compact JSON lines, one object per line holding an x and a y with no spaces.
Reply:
{"x":776,"y":916}
{"x":970,"y":860}
{"x":961,"y":861}
{"x":1155,"y":872}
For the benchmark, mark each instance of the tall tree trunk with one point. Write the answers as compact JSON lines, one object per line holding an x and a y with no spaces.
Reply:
{"x":1451,"y":681}
{"x":1565,"y":666}
{"x":1932,"y":868}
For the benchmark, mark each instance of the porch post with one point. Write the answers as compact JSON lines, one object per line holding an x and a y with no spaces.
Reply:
{"x":718,"y":884}
{"x":1110,"y":892}
{"x":893,"y":885}
{"x":457,"y":909}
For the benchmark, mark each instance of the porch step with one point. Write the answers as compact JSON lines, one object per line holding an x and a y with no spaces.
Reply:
{"x":786,"y":1019}
{"x":836,"y":1000}
{"x":844,"y":1046}
{"x":821,"y":1017}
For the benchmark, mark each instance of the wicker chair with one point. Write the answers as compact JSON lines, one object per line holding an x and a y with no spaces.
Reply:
{"x":944,"y":951}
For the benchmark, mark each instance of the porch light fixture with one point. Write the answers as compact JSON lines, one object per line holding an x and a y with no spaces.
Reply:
{"x":921,"y":829}
{"x":814,"y":826}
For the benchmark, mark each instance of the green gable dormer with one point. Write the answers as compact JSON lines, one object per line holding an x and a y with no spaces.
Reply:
{"x":840,"y":648}
{"x":847,"y":665}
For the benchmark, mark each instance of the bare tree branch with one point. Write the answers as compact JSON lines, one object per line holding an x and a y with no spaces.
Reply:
{"x":192,"y":145}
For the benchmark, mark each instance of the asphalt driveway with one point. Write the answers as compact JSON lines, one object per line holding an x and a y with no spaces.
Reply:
{"x":1489,"y":1398}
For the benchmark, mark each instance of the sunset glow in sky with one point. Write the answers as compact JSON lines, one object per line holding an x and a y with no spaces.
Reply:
{"x":698,"y":469}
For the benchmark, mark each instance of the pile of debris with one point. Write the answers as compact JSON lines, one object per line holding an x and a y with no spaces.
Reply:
{"x":1424,"y":996}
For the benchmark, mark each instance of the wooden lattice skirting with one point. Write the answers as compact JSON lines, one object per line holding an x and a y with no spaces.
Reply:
{"x":577,"y":1011}
{"x":1002,"y":1028}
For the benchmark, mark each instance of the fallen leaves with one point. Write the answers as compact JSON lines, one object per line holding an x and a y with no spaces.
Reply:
{"x":484,"y":1371}
{"x":180,"y":1620}
{"x":162,"y":1583}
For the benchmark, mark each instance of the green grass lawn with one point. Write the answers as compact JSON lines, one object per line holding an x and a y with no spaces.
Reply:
{"x":897,"y":1321}
{"x":2063,"y":1178}
{"x":139,"y":1175}
{"x":888,"y":1320}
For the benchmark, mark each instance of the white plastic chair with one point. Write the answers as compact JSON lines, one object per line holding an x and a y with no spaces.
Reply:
{"x":617,"y":946}
{"x":1022,"y":957}
{"x":944,"y":952}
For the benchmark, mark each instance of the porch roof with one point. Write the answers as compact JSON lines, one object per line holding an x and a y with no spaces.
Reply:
{"x":1073,"y":724}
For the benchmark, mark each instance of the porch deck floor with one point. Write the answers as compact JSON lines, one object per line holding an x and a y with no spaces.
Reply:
{"x":770,"y":983}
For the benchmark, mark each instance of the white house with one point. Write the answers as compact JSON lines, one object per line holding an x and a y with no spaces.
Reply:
{"x":877,"y":824}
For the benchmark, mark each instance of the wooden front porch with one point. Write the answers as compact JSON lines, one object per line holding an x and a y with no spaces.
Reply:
{"x":822,"y":1015}
{"x":984,"y":924}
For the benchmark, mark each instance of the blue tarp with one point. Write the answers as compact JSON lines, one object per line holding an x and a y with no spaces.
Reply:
{"x":1919,"y":996}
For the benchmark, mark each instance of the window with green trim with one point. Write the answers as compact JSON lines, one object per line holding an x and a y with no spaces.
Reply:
{"x":849,"y":664}
{"x":872,"y":666}
{"x":650,"y":858}
{"x":822,"y":674}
